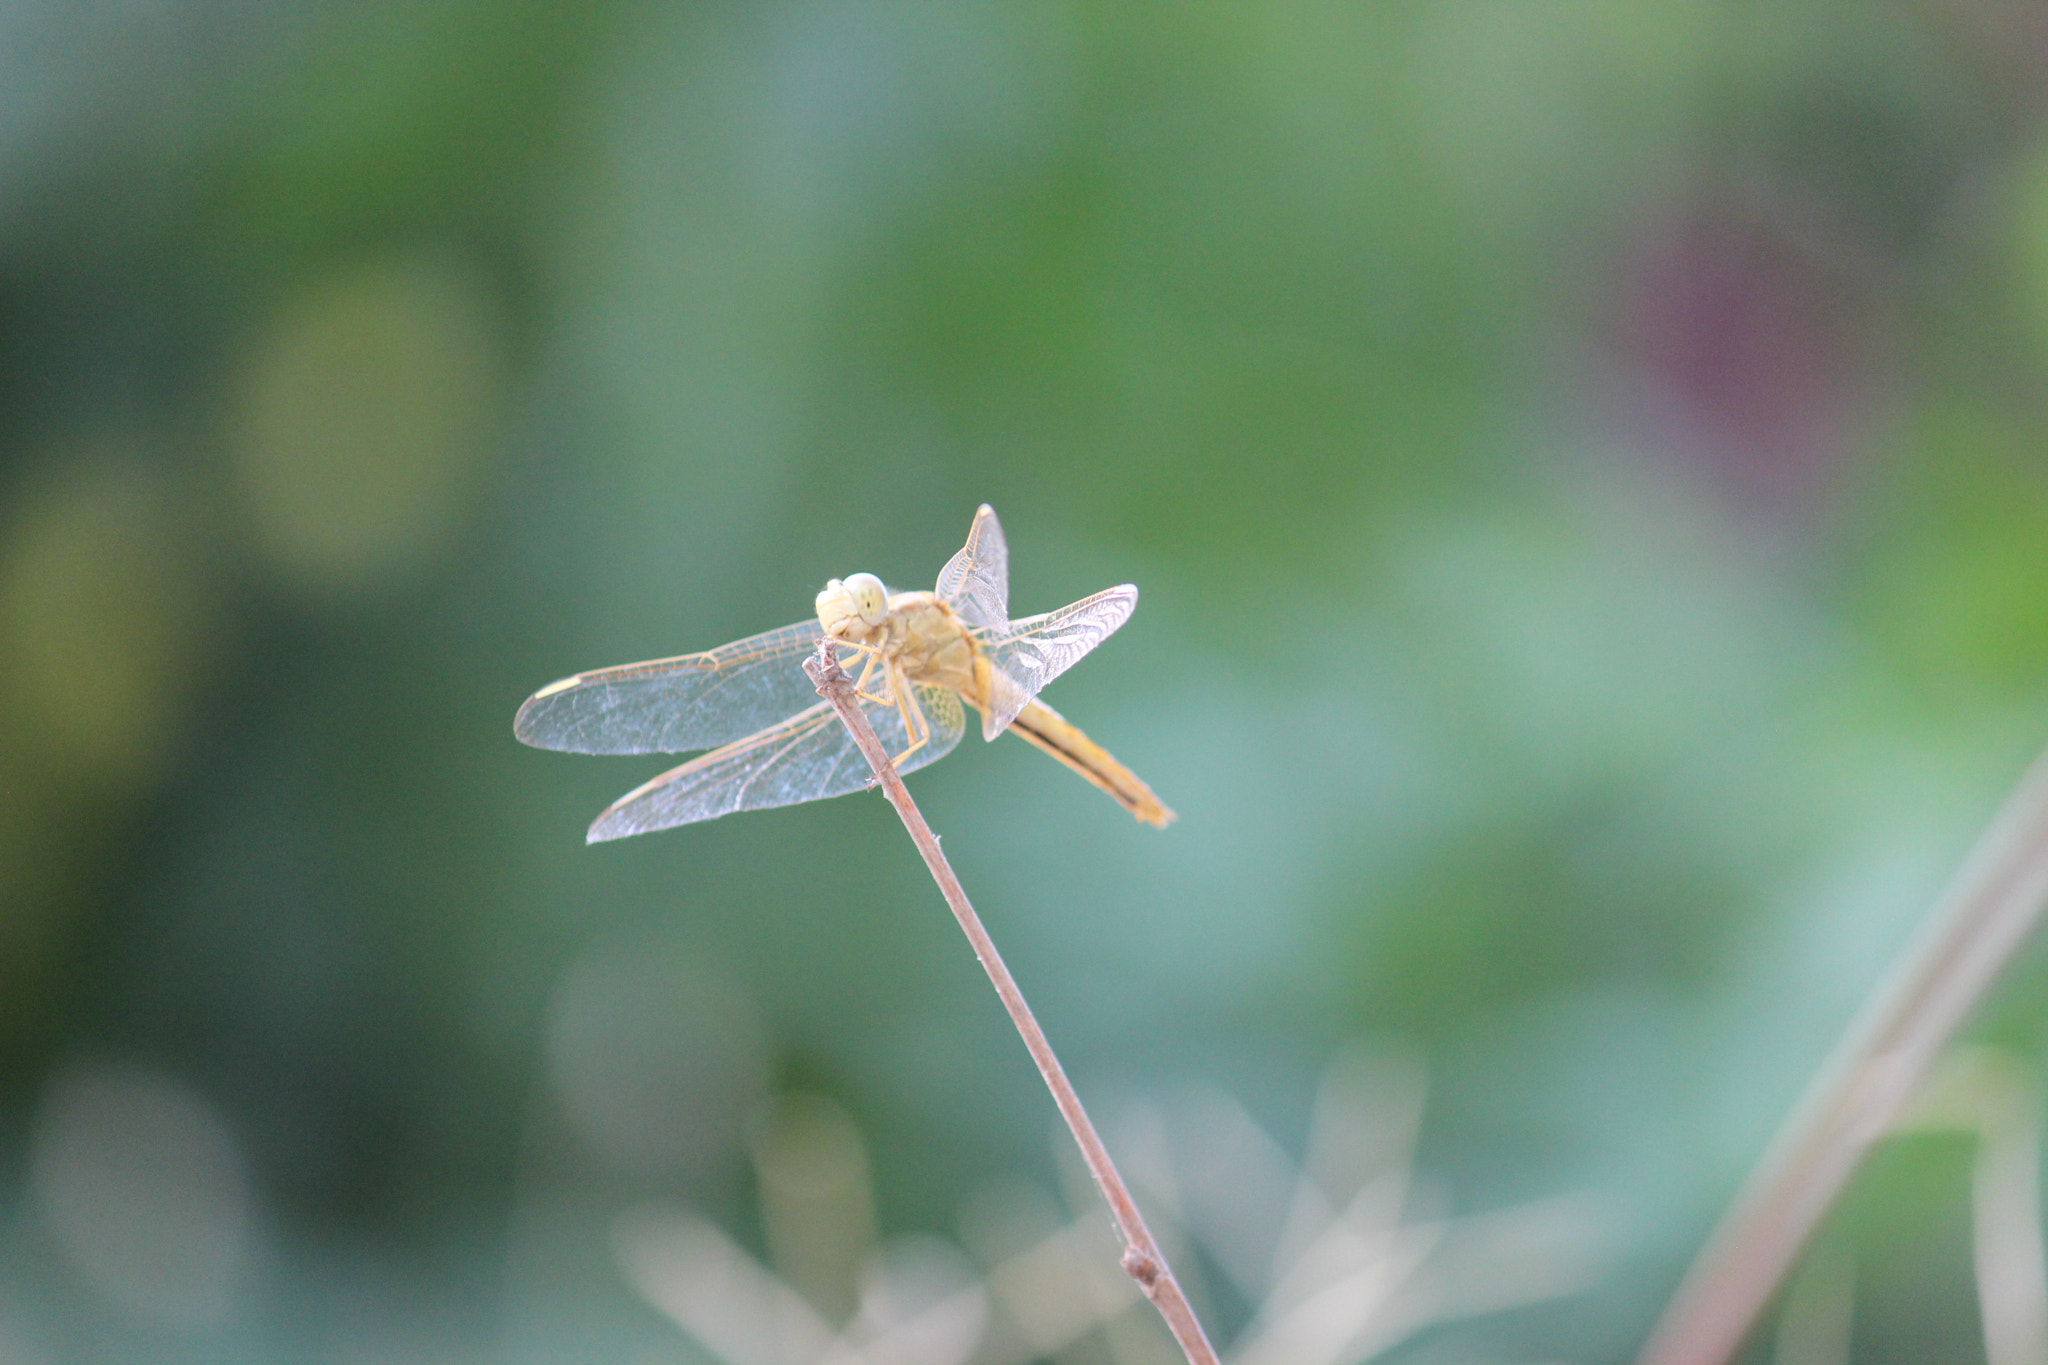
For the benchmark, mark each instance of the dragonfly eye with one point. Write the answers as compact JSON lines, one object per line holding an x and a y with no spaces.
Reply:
{"x":870,"y":598}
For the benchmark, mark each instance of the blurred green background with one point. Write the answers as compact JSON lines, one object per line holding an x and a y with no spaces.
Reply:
{"x":1587,"y":468}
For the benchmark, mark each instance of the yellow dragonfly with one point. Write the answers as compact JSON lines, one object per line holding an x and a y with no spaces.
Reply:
{"x":775,"y":742}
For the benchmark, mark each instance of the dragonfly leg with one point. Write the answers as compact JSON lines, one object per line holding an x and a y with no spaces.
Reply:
{"x":872,"y":661}
{"x":896,"y":694}
{"x":914,"y":723}
{"x":867,"y":672}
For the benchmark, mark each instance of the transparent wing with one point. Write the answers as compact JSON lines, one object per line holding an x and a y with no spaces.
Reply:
{"x":1038,"y":649}
{"x":667,"y":706}
{"x":806,"y":758}
{"x":976,"y":581}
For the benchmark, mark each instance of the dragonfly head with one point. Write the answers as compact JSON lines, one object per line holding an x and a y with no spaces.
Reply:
{"x":851,"y":607}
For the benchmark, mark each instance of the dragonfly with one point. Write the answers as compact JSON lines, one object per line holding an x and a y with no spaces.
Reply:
{"x":924,"y":657}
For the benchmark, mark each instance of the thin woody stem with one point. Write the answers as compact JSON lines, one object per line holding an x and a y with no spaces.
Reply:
{"x":1142,"y":1260}
{"x":1990,"y":907}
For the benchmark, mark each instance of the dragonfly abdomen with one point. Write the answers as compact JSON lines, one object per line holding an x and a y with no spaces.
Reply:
{"x":1055,"y":734}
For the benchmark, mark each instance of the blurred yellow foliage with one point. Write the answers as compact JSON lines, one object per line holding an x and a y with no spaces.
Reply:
{"x":103,"y":616}
{"x":361,"y":417}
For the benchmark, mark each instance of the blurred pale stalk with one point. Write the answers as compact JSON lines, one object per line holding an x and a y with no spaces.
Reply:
{"x":1356,"y":1263}
{"x":816,"y":1202}
{"x":1052,"y":1278}
{"x":1989,"y":909}
{"x":1995,"y":1097}
{"x":2012,"y":1270}
{"x":708,"y":1285}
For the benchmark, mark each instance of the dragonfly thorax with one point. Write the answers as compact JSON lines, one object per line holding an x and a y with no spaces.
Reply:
{"x":931,"y":644}
{"x":915,"y":633}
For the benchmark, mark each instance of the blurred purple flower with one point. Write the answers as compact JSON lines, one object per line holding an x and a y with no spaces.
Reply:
{"x":1750,"y":351}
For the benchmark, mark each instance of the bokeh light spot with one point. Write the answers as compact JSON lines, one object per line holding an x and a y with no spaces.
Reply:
{"x":657,"y":1059}
{"x":362,"y":417}
{"x":141,"y":1185}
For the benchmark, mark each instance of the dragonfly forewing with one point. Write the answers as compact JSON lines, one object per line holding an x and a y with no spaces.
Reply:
{"x":807,"y":757}
{"x":667,"y":706}
{"x":1038,"y":649}
{"x":976,"y":581}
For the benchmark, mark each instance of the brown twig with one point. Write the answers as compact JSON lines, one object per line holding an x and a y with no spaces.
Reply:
{"x":1142,"y":1259}
{"x":1989,"y":908}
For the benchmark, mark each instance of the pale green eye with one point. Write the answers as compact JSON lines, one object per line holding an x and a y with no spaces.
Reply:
{"x":870,"y":598}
